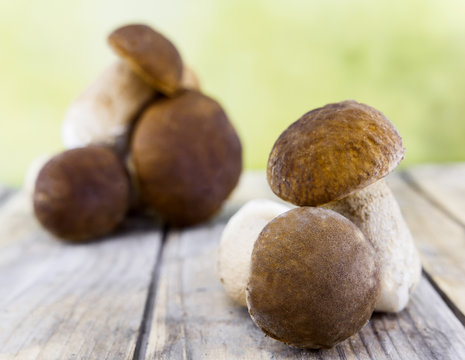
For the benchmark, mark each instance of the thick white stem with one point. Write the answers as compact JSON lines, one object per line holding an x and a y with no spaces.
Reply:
{"x":376,"y":212}
{"x":104,"y":111}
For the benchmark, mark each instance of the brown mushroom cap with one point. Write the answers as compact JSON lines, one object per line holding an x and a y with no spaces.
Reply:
{"x":313,"y":278}
{"x":151,"y":55}
{"x":81,"y":193}
{"x":331,"y":152}
{"x":187,"y":157}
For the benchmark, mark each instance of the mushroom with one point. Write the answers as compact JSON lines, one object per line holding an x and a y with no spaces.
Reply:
{"x":187,"y":158}
{"x":237,"y":242}
{"x":81,"y":193}
{"x":103,"y":113}
{"x":314,"y":280}
{"x":337,"y":156}
{"x":151,"y":55}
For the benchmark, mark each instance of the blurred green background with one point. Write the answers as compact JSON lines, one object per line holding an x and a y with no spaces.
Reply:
{"x":267,"y":62}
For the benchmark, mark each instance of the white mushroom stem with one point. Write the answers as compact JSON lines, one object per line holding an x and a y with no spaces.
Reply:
{"x":237,"y":241}
{"x":376,"y":212}
{"x":103,"y":113}
{"x":105,"y":110}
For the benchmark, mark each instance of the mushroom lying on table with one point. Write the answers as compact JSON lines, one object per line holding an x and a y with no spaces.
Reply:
{"x":337,"y":156}
{"x":81,"y":194}
{"x":314,"y":278}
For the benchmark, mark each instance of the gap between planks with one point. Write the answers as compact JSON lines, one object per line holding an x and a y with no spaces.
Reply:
{"x":149,"y":307}
{"x":64,"y":301}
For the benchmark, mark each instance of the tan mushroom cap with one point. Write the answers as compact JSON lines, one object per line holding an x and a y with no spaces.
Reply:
{"x":151,"y":55}
{"x":81,"y":193}
{"x":331,"y":152}
{"x":187,"y":157}
{"x":313,"y":278}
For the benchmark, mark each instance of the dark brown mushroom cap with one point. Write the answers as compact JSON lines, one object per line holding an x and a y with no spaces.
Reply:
{"x":331,"y":152}
{"x":82,"y":193}
{"x":313,"y":278}
{"x":151,"y":55}
{"x":187,"y":158}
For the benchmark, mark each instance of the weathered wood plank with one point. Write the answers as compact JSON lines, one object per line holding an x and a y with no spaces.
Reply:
{"x":61,"y":301}
{"x":439,"y":238}
{"x":194,"y":319}
{"x":444,"y":185}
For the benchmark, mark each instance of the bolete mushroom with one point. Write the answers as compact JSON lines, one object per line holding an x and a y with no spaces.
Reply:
{"x":237,"y":241}
{"x":314,"y":279}
{"x":81,"y":194}
{"x":103,"y":113}
{"x":337,"y":156}
{"x":187,"y":158}
{"x":151,"y":55}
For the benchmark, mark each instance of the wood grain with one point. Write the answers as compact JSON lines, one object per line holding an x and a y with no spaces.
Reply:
{"x":440,"y":239}
{"x":112,"y":299}
{"x":194,"y":319}
{"x":444,"y":185}
{"x":62,"y":301}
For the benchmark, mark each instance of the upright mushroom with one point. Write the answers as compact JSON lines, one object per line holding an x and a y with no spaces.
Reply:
{"x":337,"y":156}
{"x":150,"y":65}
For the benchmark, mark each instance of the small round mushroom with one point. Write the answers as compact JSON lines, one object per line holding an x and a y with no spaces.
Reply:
{"x":187,"y":158}
{"x":81,"y":194}
{"x":237,"y":242}
{"x":103,"y":113}
{"x":313,"y":279}
{"x":151,"y":55}
{"x":337,"y":156}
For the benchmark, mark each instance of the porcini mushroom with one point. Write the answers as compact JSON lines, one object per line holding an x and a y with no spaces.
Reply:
{"x":187,"y":158}
{"x":151,"y":55}
{"x":103,"y":113}
{"x":314,"y":279}
{"x":237,"y":242}
{"x":81,"y":193}
{"x":337,"y":156}
{"x":150,"y":64}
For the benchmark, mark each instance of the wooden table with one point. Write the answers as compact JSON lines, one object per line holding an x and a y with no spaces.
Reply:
{"x":150,"y":292}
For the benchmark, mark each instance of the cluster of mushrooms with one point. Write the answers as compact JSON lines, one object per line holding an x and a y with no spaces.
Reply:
{"x":142,"y":137}
{"x":312,"y":275}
